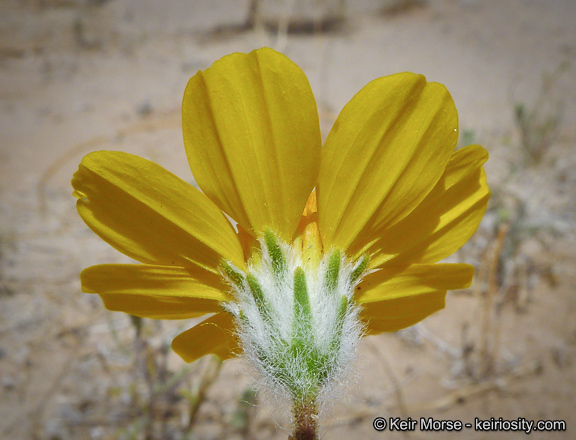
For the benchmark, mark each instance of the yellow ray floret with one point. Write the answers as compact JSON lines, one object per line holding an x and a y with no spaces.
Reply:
{"x":252,"y":138}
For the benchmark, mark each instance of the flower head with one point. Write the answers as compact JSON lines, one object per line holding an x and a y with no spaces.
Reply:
{"x":330,"y":242}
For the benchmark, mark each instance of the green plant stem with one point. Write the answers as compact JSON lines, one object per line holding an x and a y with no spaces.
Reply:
{"x":305,"y":420}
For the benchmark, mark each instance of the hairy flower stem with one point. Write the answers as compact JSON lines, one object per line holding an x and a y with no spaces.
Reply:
{"x":305,"y":421}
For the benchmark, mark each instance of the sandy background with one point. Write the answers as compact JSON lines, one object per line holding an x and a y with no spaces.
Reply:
{"x":77,"y":76}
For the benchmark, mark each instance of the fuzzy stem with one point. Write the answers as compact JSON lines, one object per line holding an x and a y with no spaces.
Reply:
{"x":305,"y":420}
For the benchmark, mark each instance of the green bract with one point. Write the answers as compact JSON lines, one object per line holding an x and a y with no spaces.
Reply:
{"x":298,"y":323}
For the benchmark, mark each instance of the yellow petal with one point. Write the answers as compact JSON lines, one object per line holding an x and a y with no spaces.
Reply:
{"x":161,"y":292}
{"x":150,"y":214}
{"x":309,"y":234}
{"x":159,"y":307}
{"x":399,"y":313}
{"x":417,"y":279}
{"x":252,"y":137}
{"x":398,"y":297}
{"x":214,"y":335}
{"x":249,"y":243}
{"x":443,"y":222}
{"x":388,"y":148}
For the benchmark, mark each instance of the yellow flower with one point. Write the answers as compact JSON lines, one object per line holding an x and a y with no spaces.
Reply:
{"x":386,"y":185}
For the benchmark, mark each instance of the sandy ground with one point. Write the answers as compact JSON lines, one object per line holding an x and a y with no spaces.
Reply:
{"x":77,"y":76}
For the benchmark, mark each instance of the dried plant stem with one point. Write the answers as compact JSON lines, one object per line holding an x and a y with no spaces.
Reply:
{"x":210,"y":373}
{"x":487,"y":355}
{"x":305,"y":420}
